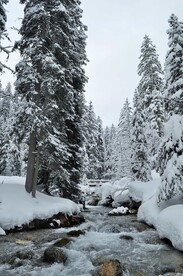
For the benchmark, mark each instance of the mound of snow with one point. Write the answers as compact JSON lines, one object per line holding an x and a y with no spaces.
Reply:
{"x":149,"y":212}
{"x":120,"y":211}
{"x":112,"y":188}
{"x":142,"y":191}
{"x":120,"y":197}
{"x":17,"y":207}
{"x":170,"y":225}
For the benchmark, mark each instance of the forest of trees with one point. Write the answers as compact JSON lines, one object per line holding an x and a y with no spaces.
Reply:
{"x":53,"y":137}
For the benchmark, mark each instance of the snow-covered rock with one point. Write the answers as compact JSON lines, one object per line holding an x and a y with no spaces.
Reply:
{"x":121,"y":198}
{"x":170,"y":225}
{"x":119,"y":211}
{"x":17,"y":207}
{"x":142,"y":191}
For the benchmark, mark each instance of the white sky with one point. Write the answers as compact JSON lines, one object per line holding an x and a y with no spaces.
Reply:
{"x":115,"y":32}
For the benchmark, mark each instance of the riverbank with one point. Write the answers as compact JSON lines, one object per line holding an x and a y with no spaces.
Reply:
{"x":20,"y":211}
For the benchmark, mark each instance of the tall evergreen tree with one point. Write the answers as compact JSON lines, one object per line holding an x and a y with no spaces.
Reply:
{"x":123,"y":142}
{"x":3,"y":19}
{"x":150,"y":92}
{"x":50,"y":81}
{"x":174,"y":68}
{"x":100,"y":148}
{"x":140,"y":165}
{"x":3,"y":152}
{"x":13,"y":147}
{"x":150,"y":71}
{"x":91,"y":140}
{"x":170,"y":158}
{"x":110,"y":152}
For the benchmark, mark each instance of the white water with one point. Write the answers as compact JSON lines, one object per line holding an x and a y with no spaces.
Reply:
{"x":144,"y":253}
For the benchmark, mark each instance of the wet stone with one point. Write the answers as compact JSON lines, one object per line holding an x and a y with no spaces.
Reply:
{"x":126,"y":237}
{"x":111,"y":268}
{"x":94,"y":201}
{"x":54,"y":254}
{"x":75,"y":233}
{"x":63,"y":242}
{"x":141,"y":227}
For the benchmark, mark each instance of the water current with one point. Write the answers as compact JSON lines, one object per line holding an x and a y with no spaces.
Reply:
{"x":134,"y":244}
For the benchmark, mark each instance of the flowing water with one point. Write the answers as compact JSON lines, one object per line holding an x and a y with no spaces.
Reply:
{"x":135,"y":245}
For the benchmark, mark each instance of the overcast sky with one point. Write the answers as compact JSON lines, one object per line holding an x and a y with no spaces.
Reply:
{"x":115,"y":32}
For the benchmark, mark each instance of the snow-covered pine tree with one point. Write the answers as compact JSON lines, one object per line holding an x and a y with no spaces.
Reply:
{"x":174,"y":67}
{"x":123,"y":142}
{"x":107,"y":164}
{"x":100,"y":149}
{"x":7,"y":101}
{"x":156,"y":124}
{"x":13,"y":147}
{"x":170,"y":157}
{"x":150,"y":92}
{"x":50,"y":81}
{"x":140,"y":166}
{"x":3,"y":152}
{"x":91,"y":140}
{"x":150,"y":71}
{"x":109,"y":151}
{"x":3,"y":17}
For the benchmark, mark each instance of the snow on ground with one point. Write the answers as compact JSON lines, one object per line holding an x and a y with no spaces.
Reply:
{"x":149,"y":212}
{"x":120,"y":197}
{"x":18,"y":207}
{"x":170,"y":225}
{"x":167,"y":219}
{"x":141,"y":191}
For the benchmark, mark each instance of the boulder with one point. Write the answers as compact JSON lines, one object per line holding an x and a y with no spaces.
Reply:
{"x":94,"y":201}
{"x":62,"y":242}
{"x":75,"y":233}
{"x":107,"y":202}
{"x":126,"y":237}
{"x":111,"y":268}
{"x":54,"y":254}
{"x":141,"y":227}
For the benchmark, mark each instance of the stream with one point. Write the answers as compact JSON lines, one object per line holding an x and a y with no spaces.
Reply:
{"x":134,"y":244}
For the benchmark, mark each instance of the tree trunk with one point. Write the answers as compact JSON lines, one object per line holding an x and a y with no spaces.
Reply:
{"x":30,"y":178}
{"x":36,"y":169}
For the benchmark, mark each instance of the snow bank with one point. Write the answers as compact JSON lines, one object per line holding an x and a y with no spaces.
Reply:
{"x":120,"y":197}
{"x":142,"y":191}
{"x":167,"y":221}
{"x":149,"y":212}
{"x":114,"y":188}
{"x":17,"y":207}
{"x":170,"y":225}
